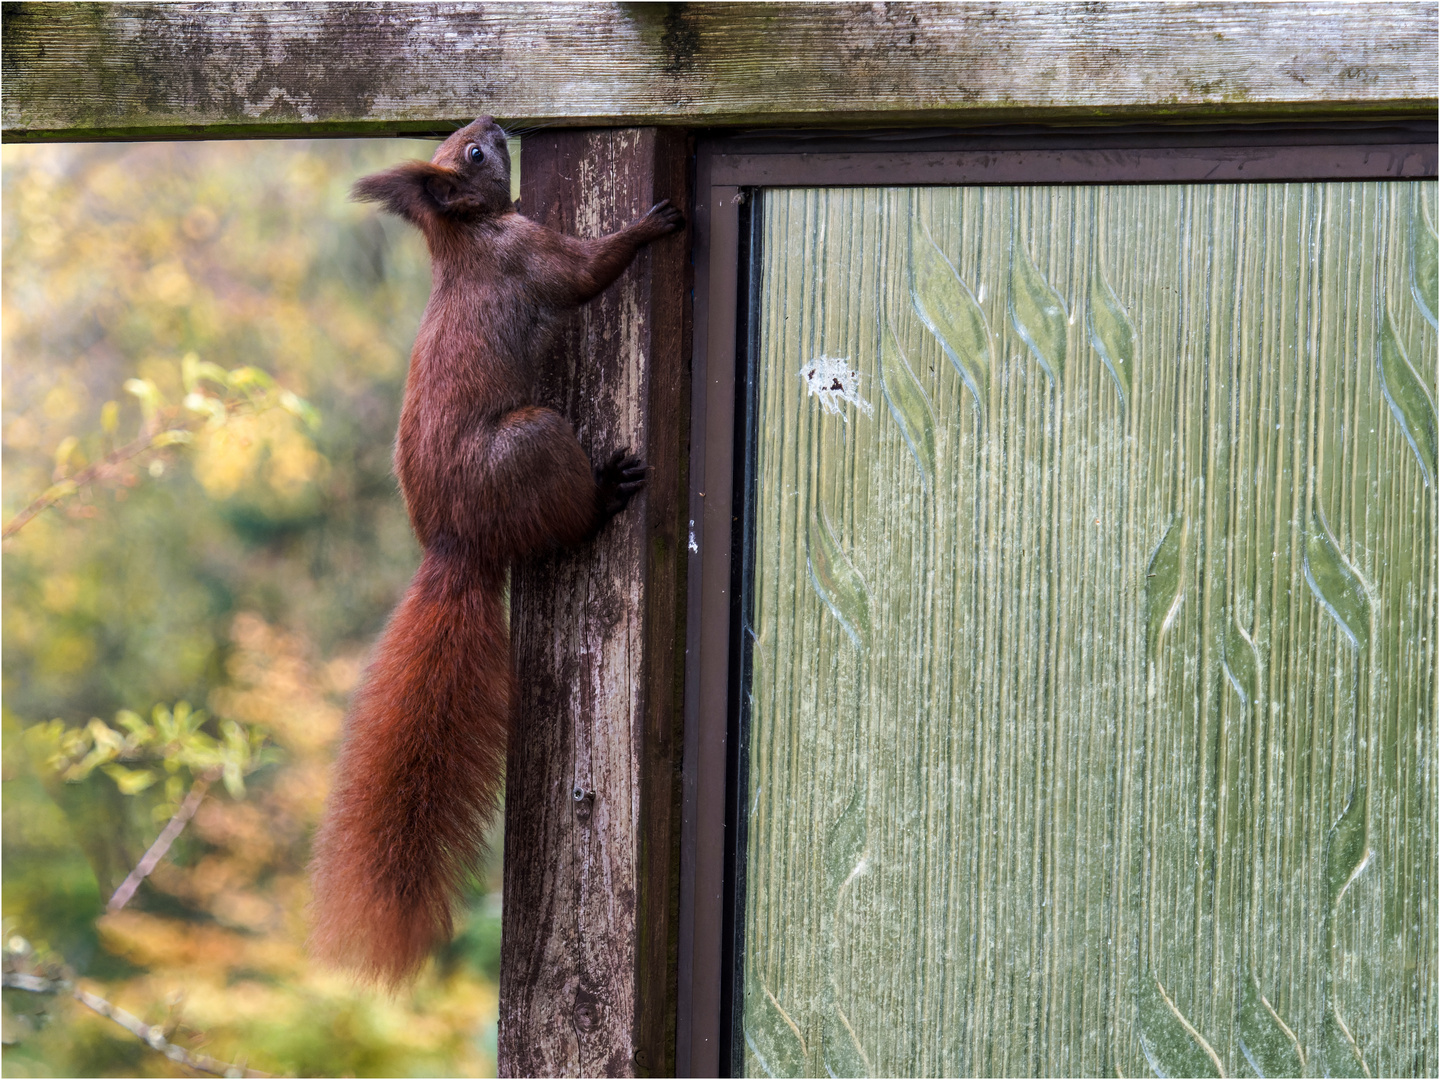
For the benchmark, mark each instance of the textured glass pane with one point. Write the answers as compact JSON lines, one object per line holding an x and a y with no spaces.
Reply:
{"x":1093,"y":684}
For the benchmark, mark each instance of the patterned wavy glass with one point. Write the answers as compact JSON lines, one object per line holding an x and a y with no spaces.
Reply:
{"x":1093,"y":678}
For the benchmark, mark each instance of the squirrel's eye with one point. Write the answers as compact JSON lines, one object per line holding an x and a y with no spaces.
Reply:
{"x":476,"y":154}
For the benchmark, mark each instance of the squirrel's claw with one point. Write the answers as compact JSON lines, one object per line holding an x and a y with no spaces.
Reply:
{"x":666,"y":217}
{"x":617,"y":481}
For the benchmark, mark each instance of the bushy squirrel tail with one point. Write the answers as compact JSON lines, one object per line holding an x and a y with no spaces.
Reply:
{"x":418,"y":775}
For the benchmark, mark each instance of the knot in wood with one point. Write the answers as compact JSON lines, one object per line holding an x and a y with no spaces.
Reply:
{"x":587,"y":1010}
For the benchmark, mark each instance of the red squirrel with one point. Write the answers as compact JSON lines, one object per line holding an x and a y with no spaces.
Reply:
{"x":488,"y":477}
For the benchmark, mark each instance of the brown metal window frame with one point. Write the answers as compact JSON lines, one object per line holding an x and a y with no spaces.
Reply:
{"x":730,"y":176}
{"x":731,"y":173}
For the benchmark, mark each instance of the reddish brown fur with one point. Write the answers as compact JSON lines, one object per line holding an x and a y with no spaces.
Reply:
{"x":488,"y":476}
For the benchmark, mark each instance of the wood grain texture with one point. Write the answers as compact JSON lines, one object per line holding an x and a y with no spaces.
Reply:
{"x":180,"y":70}
{"x":592,"y":780}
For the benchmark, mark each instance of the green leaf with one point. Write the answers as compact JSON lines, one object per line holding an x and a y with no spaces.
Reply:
{"x":267,"y":755}
{"x":199,"y":752}
{"x":74,"y":741}
{"x":234,"y":782}
{"x":193,"y":370}
{"x":173,"y":437}
{"x":243,"y":378}
{"x":67,"y":448}
{"x":133,"y":723}
{"x":187,"y":719}
{"x":298,"y":406}
{"x":237,"y":745}
{"x":103,"y":735}
{"x":102,"y":754}
{"x":148,"y":393}
{"x":164,"y":722}
{"x":130,"y":781}
{"x":211,"y":407}
{"x":200,"y":743}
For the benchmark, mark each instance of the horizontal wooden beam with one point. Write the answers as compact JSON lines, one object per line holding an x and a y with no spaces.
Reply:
{"x":189,"y":70}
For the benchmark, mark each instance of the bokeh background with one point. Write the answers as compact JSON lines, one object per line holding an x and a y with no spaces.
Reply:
{"x":243,"y":573}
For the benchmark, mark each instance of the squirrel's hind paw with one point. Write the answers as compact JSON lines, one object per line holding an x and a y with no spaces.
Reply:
{"x":616,"y":482}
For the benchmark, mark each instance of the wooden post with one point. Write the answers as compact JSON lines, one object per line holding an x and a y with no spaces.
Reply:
{"x":592,"y":810}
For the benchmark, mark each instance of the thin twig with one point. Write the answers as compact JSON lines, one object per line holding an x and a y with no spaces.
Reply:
{"x":36,"y":984}
{"x":155,"y":1039}
{"x":162,"y":430}
{"x":162,"y":843}
{"x":151,"y":1036}
{"x":68,"y":486}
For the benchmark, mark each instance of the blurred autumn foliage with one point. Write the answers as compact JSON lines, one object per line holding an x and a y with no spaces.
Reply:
{"x":204,"y":346}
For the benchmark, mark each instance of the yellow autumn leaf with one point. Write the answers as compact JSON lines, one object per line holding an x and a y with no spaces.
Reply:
{"x":129,"y":781}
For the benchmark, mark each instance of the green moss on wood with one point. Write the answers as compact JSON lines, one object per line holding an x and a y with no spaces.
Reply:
{"x":186,"y":70}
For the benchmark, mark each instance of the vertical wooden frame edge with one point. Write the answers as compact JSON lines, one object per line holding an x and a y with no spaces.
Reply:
{"x":700,"y":951}
{"x":665,"y":593}
{"x":685,"y":945}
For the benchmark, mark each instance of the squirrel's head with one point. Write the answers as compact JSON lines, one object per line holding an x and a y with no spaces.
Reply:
{"x":479,"y":159}
{"x":469,"y":177}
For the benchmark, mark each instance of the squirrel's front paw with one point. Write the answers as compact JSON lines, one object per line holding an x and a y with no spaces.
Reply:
{"x":664,"y":218}
{"x":616,"y":481}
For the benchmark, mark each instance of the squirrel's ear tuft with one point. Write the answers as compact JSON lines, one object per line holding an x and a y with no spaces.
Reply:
{"x":416,"y":190}
{"x":443,"y":187}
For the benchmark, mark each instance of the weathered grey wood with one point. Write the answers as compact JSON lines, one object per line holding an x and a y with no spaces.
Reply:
{"x":592,"y":790}
{"x":152,"y":70}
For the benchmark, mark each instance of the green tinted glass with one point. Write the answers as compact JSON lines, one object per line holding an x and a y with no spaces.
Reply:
{"x":1091,"y":714}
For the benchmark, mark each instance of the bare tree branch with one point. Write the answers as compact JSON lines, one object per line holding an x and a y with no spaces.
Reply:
{"x":165,"y":428}
{"x":151,"y":1036}
{"x":36,"y":984}
{"x":106,"y":468}
{"x":162,"y":842}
